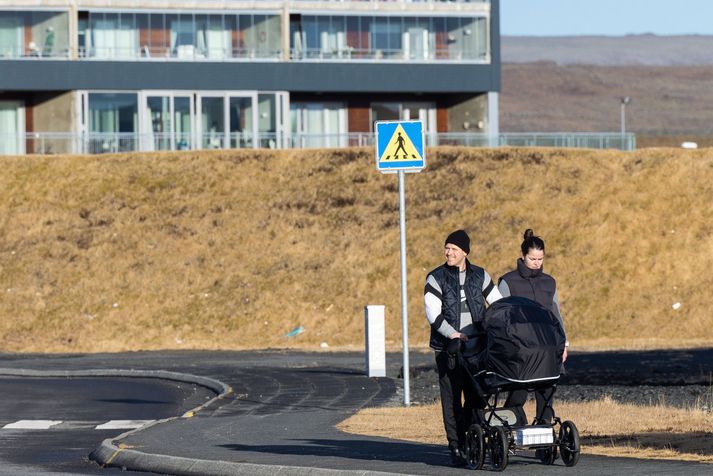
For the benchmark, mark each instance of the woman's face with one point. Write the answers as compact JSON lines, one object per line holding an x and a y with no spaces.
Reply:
{"x":534,"y":258}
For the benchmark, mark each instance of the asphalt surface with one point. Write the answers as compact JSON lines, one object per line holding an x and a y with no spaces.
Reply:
{"x":80,"y":404}
{"x":279,"y":418}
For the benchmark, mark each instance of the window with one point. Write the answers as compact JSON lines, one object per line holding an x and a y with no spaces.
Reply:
{"x":112,"y":35}
{"x":404,"y":111}
{"x":319,"y":124}
{"x":183,"y":37}
{"x":213,"y":122}
{"x":113,"y":121}
{"x":12,"y":128}
{"x":388,"y":37}
{"x":10,"y":35}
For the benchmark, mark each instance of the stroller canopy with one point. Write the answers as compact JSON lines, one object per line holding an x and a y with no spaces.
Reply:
{"x":524,"y":341}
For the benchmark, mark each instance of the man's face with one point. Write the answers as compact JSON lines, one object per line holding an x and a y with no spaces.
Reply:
{"x":454,"y":255}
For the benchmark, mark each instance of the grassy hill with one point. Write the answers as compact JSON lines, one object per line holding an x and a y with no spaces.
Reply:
{"x":233,"y":249}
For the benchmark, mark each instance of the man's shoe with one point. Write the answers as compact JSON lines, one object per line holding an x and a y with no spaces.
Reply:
{"x":457,"y":456}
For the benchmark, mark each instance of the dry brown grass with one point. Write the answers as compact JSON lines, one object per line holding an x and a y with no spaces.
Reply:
{"x":232,"y":249}
{"x":606,"y":427}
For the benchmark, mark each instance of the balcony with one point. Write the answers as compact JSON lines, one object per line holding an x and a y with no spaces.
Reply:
{"x":392,"y":38}
{"x":185,"y":36}
{"x":27,"y":34}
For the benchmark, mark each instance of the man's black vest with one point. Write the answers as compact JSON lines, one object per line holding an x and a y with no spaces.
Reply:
{"x":532,"y":284}
{"x":448,"y":279}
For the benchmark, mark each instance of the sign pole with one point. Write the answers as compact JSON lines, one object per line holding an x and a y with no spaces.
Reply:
{"x":404,"y":292}
{"x":400,"y":148}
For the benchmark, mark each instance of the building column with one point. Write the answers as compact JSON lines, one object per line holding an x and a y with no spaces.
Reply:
{"x":286,"y":30}
{"x":73,"y":31}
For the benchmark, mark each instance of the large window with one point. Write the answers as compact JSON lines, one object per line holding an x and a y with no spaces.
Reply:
{"x":113,"y":35}
{"x":405,"y":111}
{"x":10,"y":36}
{"x":241,"y":122}
{"x":319,"y":37}
{"x":183,"y":36}
{"x":113,"y":122}
{"x":12,"y":128}
{"x":261,"y":35}
{"x":319,"y":124}
{"x":389,"y":37}
{"x":181,"y":120}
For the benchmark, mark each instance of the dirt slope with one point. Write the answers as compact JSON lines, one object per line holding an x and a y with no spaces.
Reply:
{"x":234,"y":249}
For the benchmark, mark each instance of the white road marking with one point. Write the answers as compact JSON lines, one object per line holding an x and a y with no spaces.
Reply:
{"x":75,"y":425}
{"x":31,"y":425}
{"x":123,"y":424}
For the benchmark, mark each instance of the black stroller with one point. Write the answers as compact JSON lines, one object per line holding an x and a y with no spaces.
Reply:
{"x":523,"y":350}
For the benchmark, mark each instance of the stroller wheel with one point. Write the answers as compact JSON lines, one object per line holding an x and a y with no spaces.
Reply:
{"x":474,"y":447}
{"x":547,"y":455}
{"x":569,"y":443}
{"x":498,"y":448}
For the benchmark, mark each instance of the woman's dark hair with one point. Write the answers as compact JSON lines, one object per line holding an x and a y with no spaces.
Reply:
{"x":531,"y":241}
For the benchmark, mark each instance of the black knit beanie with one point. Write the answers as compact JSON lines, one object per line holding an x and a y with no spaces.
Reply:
{"x":461,"y":239}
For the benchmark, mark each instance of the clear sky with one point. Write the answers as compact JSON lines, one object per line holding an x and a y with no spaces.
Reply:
{"x":605,"y":17}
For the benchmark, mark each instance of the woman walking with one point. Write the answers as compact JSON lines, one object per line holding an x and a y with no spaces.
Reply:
{"x":530,"y":281}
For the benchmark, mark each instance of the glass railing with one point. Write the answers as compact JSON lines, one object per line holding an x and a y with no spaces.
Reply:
{"x":348,"y":53}
{"x":183,"y":52}
{"x":33,"y":51}
{"x":396,"y":1}
{"x":100,"y":143}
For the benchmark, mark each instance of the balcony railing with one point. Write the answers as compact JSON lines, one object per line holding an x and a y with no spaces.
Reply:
{"x":349,"y":53}
{"x":183,"y":52}
{"x":32,"y":52}
{"x":396,"y":1}
{"x":98,"y":143}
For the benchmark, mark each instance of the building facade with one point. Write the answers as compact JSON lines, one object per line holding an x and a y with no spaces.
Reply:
{"x":92,"y":76}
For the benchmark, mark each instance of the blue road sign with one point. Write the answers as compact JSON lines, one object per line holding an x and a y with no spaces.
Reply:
{"x":399,"y":146}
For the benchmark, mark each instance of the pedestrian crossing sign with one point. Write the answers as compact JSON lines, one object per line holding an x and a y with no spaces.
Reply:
{"x":399,"y":146}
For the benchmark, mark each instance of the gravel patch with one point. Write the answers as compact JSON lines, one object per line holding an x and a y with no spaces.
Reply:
{"x":424,"y":390}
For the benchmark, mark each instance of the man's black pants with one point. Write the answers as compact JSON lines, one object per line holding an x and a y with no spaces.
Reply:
{"x":457,"y":399}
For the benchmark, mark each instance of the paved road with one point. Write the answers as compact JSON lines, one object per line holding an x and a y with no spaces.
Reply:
{"x":285,"y":404}
{"x":72,"y":410}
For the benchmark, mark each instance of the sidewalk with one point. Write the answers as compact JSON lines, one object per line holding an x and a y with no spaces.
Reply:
{"x":278,"y":418}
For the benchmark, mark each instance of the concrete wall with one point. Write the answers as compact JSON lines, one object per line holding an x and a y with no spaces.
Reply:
{"x":469,"y":114}
{"x":53,"y":112}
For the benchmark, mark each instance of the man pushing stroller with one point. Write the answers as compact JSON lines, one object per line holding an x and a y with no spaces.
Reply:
{"x":455,"y":297}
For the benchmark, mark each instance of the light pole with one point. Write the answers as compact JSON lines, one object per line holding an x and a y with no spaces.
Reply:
{"x":624,"y":101}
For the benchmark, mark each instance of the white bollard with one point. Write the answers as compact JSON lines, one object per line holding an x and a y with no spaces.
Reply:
{"x":374,"y":330}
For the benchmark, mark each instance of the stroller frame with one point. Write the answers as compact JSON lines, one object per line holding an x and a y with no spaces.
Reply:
{"x":495,"y":434}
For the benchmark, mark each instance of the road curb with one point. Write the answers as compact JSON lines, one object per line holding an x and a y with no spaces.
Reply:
{"x":113,"y":453}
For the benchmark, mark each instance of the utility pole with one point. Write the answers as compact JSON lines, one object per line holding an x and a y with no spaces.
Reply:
{"x":624,"y":101}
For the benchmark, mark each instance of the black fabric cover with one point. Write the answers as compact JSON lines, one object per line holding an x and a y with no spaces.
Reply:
{"x":524,"y":341}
